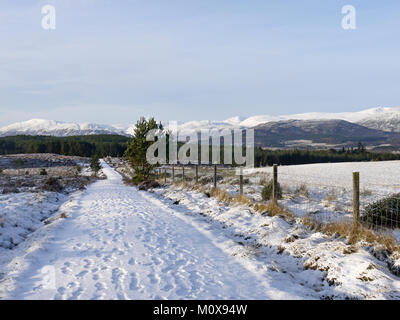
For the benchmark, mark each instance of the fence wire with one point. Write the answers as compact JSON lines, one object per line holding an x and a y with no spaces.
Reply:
{"x":327,"y":198}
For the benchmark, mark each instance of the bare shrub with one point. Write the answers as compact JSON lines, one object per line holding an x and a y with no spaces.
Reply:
{"x":263,"y":181}
{"x":302,"y":191}
{"x":331,"y":196}
{"x":148,"y":184}
{"x":52,"y":184}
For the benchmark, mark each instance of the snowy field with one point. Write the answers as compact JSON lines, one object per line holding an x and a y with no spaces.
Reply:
{"x":328,"y":192}
{"x":380,"y":177}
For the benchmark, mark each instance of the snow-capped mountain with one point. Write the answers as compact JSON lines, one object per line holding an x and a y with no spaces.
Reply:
{"x":383,"y":119}
{"x":388,"y":120}
{"x":380,"y":115}
{"x":56,"y":128}
{"x":319,"y":132}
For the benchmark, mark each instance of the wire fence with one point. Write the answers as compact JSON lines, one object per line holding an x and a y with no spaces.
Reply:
{"x":326,"y":197}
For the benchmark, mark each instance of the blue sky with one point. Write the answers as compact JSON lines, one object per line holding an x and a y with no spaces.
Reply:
{"x":114,"y":61}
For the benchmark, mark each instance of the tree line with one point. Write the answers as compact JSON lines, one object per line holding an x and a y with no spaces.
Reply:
{"x":264,"y":157}
{"x":118,"y":146}
{"x":84,"y":146}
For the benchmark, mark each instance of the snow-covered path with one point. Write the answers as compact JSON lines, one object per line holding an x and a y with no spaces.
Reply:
{"x":119,"y":243}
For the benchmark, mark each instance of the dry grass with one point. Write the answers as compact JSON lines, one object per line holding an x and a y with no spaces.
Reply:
{"x":274,"y":209}
{"x":343,"y":229}
{"x":302,"y":191}
{"x":243,"y":200}
{"x":270,"y":208}
{"x":221,"y":195}
{"x":331,"y":196}
{"x":197,"y":187}
{"x":360,"y":233}
{"x":263,"y":181}
{"x":353,"y":232}
{"x":366,"y":192}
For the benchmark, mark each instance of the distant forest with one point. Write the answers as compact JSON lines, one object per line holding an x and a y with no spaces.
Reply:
{"x":115,"y":146}
{"x":291,"y":157}
{"x":84,"y":146}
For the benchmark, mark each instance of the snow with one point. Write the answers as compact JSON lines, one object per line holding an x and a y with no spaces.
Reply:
{"x":347,"y":116}
{"x":116,"y":242}
{"x":319,"y":264}
{"x":386,"y":119}
{"x":380,"y":177}
{"x":56,"y":128}
{"x":22,"y":213}
{"x":328,"y":192}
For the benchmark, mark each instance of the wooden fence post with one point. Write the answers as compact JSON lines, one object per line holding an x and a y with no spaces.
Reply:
{"x":241,"y":182}
{"x":197,"y":173}
{"x":275,"y":184}
{"x":356,"y":197}
{"x":165,"y":175}
{"x":215,"y":175}
{"x":183,"y":172}
{"x":173,"y":174}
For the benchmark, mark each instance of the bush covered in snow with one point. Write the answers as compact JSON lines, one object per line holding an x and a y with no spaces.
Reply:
{"x":384,"y":212}
{"x":266,"y":192}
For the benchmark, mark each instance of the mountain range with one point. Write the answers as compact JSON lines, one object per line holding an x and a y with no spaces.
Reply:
{"x":376,"y":127}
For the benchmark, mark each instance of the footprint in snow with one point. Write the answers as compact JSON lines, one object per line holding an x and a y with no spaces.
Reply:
{"x":154,"y":279}
{"x":88,"y":263}
{"x":167,"y":287}
{"x":76,"y":294}
{"x":61,"y":290}
{"x":81,"y":274}
{"x":157,"y":261}
{"x":66,"y":270}
{"x":100,"y":286}
{"x":134,"y":282}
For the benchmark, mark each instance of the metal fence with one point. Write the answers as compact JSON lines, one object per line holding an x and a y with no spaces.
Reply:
{"x":302,"y":194}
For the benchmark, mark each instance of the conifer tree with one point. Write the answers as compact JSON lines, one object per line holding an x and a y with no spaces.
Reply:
{"x":95,"y":164}
{"x":137,"y":147}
